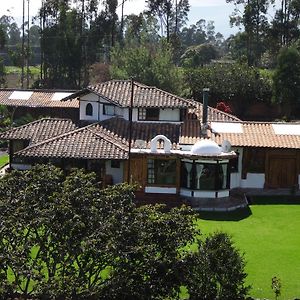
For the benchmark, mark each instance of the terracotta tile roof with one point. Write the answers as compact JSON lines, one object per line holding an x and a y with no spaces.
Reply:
{"x":118,"y":128}
{"x":82,"y":143}
{"x":119,"y":92}
{"x":213,"y":114}
{"x":109,"y":139}
{"x":105,"y":140}
{"x":255,"y":134}
{"x":38,"y":98}
{"x":39,"y":130}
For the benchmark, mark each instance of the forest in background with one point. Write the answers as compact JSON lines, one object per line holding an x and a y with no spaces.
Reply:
{"x":76,"y":43}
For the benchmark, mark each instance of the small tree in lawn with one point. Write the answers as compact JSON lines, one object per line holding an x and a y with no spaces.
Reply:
{"x":217,"y":270}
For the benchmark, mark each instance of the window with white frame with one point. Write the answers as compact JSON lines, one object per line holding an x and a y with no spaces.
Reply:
{"x":109,"y":110}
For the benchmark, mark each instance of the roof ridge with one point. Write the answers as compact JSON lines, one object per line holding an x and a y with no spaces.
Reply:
{"x":37,"y":121}
{"x":168,"y":93}
{"x":54,"y":138}
{"x":38,"y":90}
{"x":109,"y":139}
{"x":66,"y":134}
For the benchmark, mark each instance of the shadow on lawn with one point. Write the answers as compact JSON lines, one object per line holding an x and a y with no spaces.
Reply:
{"x":236,"y":215}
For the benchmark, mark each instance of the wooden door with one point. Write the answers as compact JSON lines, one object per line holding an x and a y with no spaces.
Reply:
{"x":282,"y":172}
{"x":138,"y":171}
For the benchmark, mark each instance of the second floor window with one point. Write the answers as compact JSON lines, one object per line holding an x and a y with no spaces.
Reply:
{"x":148,"y":114}
{"x":89,"y":109}
{"x":109,"y":110}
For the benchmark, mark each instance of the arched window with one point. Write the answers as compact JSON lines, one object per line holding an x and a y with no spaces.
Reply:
{"x":89,"y":109}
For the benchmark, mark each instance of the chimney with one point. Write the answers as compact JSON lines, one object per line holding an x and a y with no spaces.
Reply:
{"x":204,"y":112}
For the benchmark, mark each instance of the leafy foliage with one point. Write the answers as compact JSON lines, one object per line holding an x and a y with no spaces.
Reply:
{"x":286,"y":79}
{"x":236,"y":83}
{"x":146,"y":65}
{"x":196,"y":56}
{"x":64,"y":238}
{"x":217,"y":270}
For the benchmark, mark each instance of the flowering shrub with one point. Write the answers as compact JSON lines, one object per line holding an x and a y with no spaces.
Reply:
{"x":222,"y":106}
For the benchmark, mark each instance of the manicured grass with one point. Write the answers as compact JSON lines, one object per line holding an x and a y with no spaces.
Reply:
{"x":269,"y":236}
{"x":3,"y":160}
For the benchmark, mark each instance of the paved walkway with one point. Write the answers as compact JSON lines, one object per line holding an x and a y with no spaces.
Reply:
{"x":238,"y":199}
{"x":233,"y":202}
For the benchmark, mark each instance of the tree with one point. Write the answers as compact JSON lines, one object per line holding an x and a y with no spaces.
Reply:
{"x":61,"y":237}
{"x":284,"y":30}
{"x":2,"y":38}
{"x":2,"y":73}
{"x":237,"y":84}
{"x":141,"y":30}
{"x":196,"y":56}
{"x":286,"y":80}
{"x":146,"y":65}
{"x":254,"y":19}
{"x":220,"y":268}
{"x":171,"y":13}
{"x":195,"y":34}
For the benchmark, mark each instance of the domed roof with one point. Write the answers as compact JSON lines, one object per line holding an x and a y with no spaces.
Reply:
{"x":206,"y":147}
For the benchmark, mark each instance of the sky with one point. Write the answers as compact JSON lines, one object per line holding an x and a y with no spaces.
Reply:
{"x":210,"y":10}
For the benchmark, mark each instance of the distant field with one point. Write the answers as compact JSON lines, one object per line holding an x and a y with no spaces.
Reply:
{"x":13,"y":76}
{"x":269,"y":235}
{"x":17,"y":70}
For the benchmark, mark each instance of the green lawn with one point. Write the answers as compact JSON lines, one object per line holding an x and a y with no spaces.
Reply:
{"x":269,"y":235}
{"x":3,"y":160}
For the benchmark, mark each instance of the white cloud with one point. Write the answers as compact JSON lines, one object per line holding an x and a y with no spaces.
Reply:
{"x":132,"y":7}
{"x":207,"y":3}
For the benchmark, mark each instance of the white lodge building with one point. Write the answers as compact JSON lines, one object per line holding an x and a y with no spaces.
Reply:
{"x":173,"y":148}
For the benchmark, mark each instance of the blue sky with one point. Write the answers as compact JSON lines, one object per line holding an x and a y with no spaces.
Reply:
{"x":215,"y":10}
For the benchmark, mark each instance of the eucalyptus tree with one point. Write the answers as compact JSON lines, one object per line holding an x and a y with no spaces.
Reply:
{"x":252,"y":14}
{"x":171,"y":13}
{"x":65,"y":27}
{"x":285,"y":25}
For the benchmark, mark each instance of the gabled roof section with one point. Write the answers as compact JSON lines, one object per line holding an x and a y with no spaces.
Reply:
{"x":82,"y":143}
{"x":105,"y":140}
{"x":39,"y":130}
{"x":37,"y":98}
{"x":118,"y":92}
{"x":118,"y":128}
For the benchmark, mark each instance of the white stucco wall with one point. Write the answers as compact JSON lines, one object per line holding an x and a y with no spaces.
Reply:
{"x":21,"y":167}
{"x":82,"y":110}
{"x":203,"y":194}
{"x":254,"y":180}
{"x":98,"y":104}
{"x":235,"y":178}
{"x":160,"y":190}
{"x":116,"y":173}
